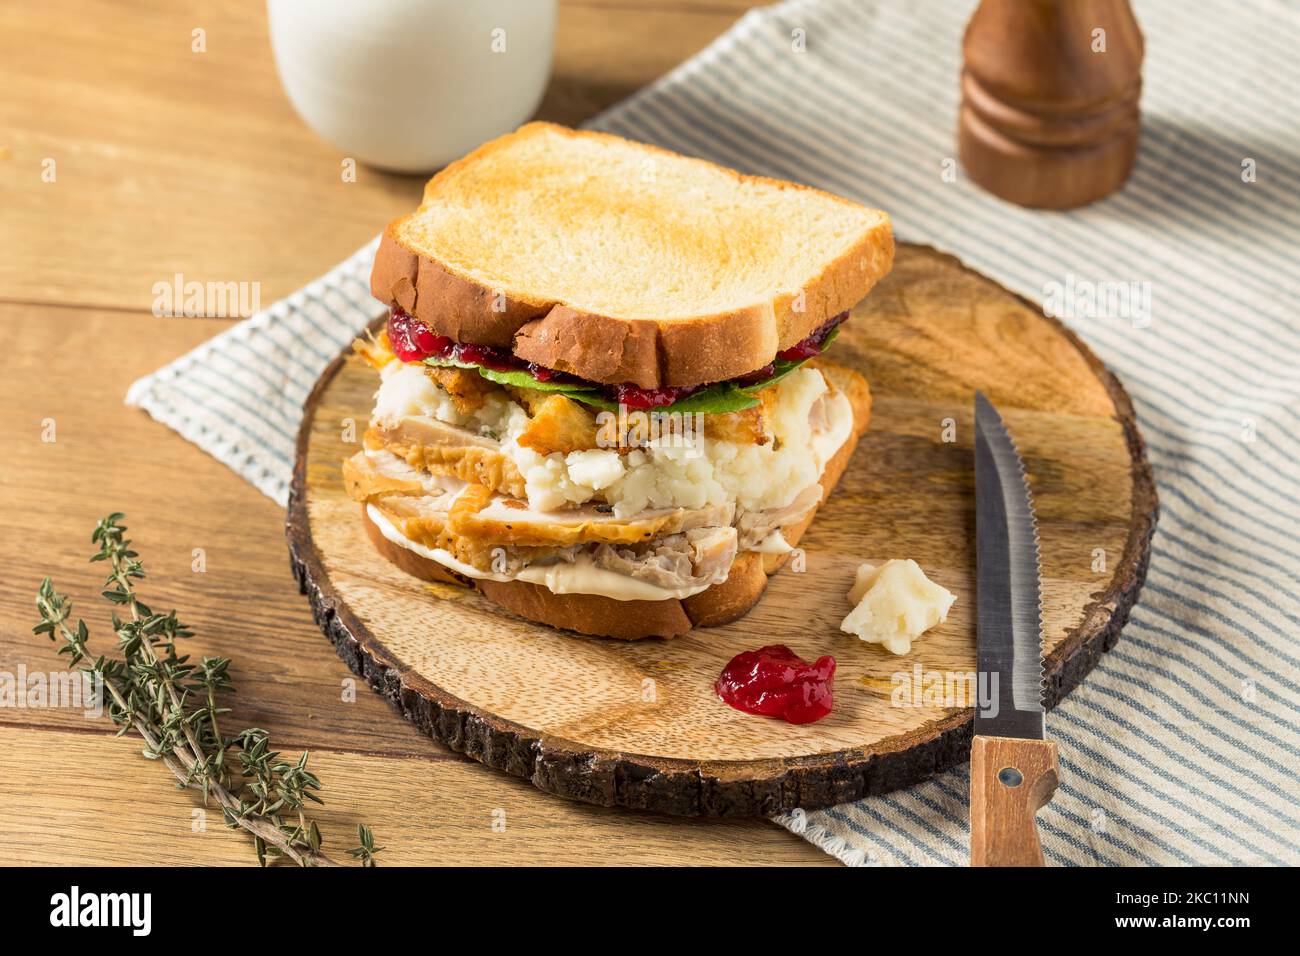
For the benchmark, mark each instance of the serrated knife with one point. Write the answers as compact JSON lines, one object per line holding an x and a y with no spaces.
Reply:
{"x":1013,"y":770}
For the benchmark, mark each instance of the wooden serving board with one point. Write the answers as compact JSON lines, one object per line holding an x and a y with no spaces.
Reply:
{"x":637,"y":724}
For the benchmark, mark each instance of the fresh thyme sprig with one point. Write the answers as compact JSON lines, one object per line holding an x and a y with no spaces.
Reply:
{"x":172,"y":703}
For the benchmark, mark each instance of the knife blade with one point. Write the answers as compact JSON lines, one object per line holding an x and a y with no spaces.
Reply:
{"x":1009,"y":638}
{"x":1013,"y":769}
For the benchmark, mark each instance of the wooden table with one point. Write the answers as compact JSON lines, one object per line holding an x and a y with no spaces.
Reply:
{"x":169,"y":161}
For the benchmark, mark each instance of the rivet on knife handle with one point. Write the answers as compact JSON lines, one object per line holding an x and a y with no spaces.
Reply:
{"x":1010,"y":779}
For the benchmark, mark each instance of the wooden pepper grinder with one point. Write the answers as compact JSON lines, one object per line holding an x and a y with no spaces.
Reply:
{"x":1049,"y":113}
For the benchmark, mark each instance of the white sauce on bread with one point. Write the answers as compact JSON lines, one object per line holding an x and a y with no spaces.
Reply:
{"x":577,"y":577}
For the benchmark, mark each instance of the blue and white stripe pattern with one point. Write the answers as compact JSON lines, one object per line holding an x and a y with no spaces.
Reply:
{"x":240,"y":396}
{"x":1184,"y":745}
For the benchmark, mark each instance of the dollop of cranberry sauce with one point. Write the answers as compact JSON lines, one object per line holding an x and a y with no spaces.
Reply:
{"x":413,"y":341}
{"x":774,"y":682}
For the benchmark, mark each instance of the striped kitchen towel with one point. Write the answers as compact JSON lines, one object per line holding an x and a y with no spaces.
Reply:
{"x":240,"y":395}
{"x":1183,"y":746}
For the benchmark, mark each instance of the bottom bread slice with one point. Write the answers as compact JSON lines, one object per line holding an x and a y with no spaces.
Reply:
{"x":633,"y":620}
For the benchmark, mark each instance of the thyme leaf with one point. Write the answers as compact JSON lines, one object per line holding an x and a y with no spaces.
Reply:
{"x":174,"y":705}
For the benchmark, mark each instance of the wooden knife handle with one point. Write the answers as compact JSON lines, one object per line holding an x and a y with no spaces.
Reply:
{"x":1010,"y":779}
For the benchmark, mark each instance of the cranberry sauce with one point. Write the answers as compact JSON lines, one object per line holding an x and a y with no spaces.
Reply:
{"x":811,"y":347}
{"x":413,"y":341}
{"x":774,"y":682}
{"x":633,"y":396}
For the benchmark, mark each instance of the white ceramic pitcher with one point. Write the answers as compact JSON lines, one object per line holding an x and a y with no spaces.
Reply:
{"x":409,"y":85}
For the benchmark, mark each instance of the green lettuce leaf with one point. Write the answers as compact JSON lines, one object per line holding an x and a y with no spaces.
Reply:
{"x":718,"y":399}
{"x":714,"y":400}
{"x":452,"y":363}
{"x":521,"y":379}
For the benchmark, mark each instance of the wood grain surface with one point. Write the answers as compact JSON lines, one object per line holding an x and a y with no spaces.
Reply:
{"x":572,"y":713}
{"x":172,"y":161}
{"x":1010,"y":781}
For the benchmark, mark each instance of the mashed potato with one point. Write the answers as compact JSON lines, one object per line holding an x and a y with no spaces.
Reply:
{"x":406,"y":390}
{"x":755,"y":477}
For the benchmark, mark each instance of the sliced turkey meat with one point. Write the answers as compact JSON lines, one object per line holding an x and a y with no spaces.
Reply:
{"x":753,"y":526}
{"x":701,"y":556}
{"x":479,"y":527}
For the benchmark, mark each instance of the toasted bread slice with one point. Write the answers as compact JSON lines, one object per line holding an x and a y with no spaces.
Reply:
{"x":621,"y":262}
